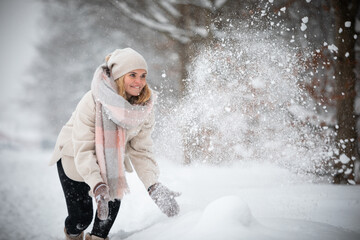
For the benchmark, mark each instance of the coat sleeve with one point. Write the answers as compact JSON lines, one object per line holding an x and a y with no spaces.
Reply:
{"x":140,"y":152}
{"x":83,"y":136}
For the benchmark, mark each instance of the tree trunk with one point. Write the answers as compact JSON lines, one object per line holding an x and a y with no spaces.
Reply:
{"x":345,"y":13}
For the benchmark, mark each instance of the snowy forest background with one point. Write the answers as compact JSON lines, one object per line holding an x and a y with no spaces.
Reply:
{"x":277,"y":75}
{"x":271,"y":82}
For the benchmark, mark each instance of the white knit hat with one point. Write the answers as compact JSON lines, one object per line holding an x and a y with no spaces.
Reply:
{"x":125,"y":60}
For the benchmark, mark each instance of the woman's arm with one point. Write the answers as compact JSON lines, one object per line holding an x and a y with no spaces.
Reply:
{"x":83,"y":137}
{"x":140,"y":152}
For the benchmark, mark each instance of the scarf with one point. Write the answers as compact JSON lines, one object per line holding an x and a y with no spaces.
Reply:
{"x":114,"y":115}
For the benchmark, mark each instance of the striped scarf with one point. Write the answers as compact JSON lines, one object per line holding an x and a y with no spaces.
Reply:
{"x":114,"y":115}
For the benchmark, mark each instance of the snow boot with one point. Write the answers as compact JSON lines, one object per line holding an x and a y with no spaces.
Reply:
{"x":93,"y":237}
{"x":69,"y":237}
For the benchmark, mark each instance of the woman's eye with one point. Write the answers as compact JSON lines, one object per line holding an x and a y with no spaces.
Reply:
{"x":132,"y":75}
{"x":143,"y":76}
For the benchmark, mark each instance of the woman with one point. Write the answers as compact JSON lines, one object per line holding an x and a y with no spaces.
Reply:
{"x":110,"y":128}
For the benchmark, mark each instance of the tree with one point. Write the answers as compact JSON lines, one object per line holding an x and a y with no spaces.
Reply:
{"x":345,"y":15}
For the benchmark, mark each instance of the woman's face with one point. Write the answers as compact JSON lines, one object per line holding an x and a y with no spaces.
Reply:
{"x":134,"y":82}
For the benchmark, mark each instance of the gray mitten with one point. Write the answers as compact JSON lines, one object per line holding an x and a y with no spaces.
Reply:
{"x":101,"y":192}
{"x":165,"y":199}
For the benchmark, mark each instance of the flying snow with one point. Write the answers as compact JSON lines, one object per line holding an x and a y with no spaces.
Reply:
{"x":347,"y":24}
{"x":244,"y":102}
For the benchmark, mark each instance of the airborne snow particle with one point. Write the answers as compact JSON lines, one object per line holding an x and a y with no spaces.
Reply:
{"x":308,"y":1}
{"x":340,"y":30}
{"x":347,"y":54}
{"x":352,"y":182}
{"x":305,"y":19}
{"x":344,"y":159}
{"x":348,"y":171}
{"x":271,"y":1}
{"x":332,"y":48}
{"x":303,"y":27}
{"x":347,"y":24}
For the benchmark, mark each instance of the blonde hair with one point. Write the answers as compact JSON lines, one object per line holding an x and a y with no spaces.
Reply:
{"x":143,"y":97}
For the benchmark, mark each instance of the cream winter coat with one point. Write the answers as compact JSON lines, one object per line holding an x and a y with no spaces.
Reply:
{"x":76,"y":147}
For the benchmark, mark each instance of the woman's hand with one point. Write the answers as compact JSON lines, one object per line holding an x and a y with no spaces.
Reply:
{"x":101,"y":192}
{"x":164,"y":199}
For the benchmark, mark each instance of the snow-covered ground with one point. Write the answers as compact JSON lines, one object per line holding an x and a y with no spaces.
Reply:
{"x":235,"y":202}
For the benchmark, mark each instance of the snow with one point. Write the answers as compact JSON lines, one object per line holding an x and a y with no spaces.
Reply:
{"x":243,"y":104}
{"x":344,"y":159}
{"x":243,"y":201}
{"x":303,"y":27}
{"x":348,"y":24}
{"x":332,"y":48}
{"x":303,"y":23}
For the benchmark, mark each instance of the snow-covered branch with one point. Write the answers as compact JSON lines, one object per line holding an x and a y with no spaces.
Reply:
{"x":161,"y":24}
{"x":207,"y":4}
{"x":170,"y":8}
{"x":165,"y":24}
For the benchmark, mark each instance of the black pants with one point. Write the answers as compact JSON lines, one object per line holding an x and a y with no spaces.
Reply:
{"x":80,"y":209}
